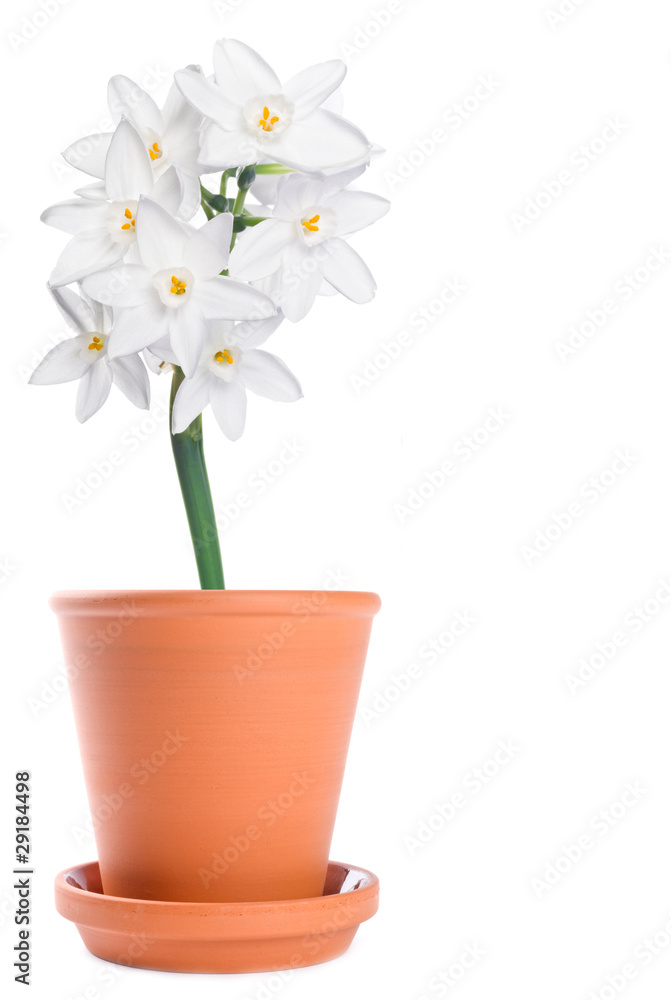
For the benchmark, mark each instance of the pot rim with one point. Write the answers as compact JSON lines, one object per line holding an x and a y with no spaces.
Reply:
{"x":199,"y":603}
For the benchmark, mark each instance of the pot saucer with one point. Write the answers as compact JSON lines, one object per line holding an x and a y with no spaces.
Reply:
{"x":218,"y":937}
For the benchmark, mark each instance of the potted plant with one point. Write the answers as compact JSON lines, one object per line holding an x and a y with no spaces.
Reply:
{"x":213,"y":724}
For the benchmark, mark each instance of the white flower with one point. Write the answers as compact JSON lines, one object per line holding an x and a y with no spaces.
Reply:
{"x":231,"y":364}
{"x":253,"y":117}
{"x":104,"y":227}
{"x":86,"y":357}
{"x":170,"y":137}
{"x":301,"y":246}
{"x":176,"y":288}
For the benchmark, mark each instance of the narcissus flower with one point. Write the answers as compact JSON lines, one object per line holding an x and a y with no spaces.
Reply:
{"x":301,"y":246}
{"x":170,"y":138}
{"x":86,"y":357}
{"x":253,"y":117}
{"x":104,"y":227}
{"x":231,"y":364}
{"x":176,"y":288}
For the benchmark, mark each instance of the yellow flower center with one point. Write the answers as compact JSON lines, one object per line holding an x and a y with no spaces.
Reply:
{"x":178,"y":287}
{"x":96,"y":344}
{"x":224,"y":356}
{"x":310,"y":224}
{"x":267,"y":123}
{"x":131,"y":221}
{"x":155,"y":152}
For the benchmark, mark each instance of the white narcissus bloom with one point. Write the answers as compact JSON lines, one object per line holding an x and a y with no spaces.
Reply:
{"x":253,"y":117}
{"x":104,"y":228}
{"x":176,"y":288}
{"x":86,"y":357}
{"x":170,"y":137}
{"x":293,"y":253}
{"x":231,"y":364}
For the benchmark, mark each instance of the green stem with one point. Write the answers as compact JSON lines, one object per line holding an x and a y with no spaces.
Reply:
{"x":272,"y":168}
{"x":187,"y":449}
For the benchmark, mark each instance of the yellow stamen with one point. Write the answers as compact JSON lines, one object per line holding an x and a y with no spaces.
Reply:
{"x":96,"y":344}
{"x":155,"y":151}
{"x":222,"y":356}
{"x":309,"y":224}
{"x":131,"y":223}
{"x":267,"y":123}
{"x":178,"y":287}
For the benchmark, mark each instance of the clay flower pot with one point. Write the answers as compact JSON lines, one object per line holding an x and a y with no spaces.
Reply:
{"x":213,"y":728}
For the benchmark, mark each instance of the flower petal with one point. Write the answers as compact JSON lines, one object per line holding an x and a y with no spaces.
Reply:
{"x":89,"y":154}
{"x":188,"y":335}
{"x":226,"y":298}
{"x":161,"y":239}
{"x":252,"y":333}
{"x":266,"y":375}
{"x":77,"y":312}
{"x":207,"y":98}
{"x":229,"y":405}
{"x":93,"y":192}
{"x":191,"y":196}
{"x":180,"y":119}
{"x":321,"y":140}
{"x":346,"y":271}
{"x":355,"y":210}
{"x":301,"y":278}
{"x":222,"y":148}
{"x":130,"y":375}
{"x":169,"y":190}
{"x":192,"y":397}
{"x":128,"y":171}
{"x":94,"y":388}
{"x":136,"y":328}
{"x":125,"y":285}
{"x":241,"y":73}
{"x":63,"y":363}
{"x":86,"y":253}
{"x":206,"y":253}
{"x":75,"y":215}
{"x":128,"y":100}
{"x":258,"y":250}
{"x":309,"y":88}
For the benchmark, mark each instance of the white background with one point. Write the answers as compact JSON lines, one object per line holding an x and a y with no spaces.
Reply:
{"x":458,"y":215}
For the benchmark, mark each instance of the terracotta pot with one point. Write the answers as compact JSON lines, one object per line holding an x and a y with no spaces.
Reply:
{"x":213,"y":728}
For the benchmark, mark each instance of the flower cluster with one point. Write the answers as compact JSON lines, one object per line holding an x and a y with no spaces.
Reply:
{"x":154,"y":291}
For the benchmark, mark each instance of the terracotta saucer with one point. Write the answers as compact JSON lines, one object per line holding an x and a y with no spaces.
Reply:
{"x":218,"y":937}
